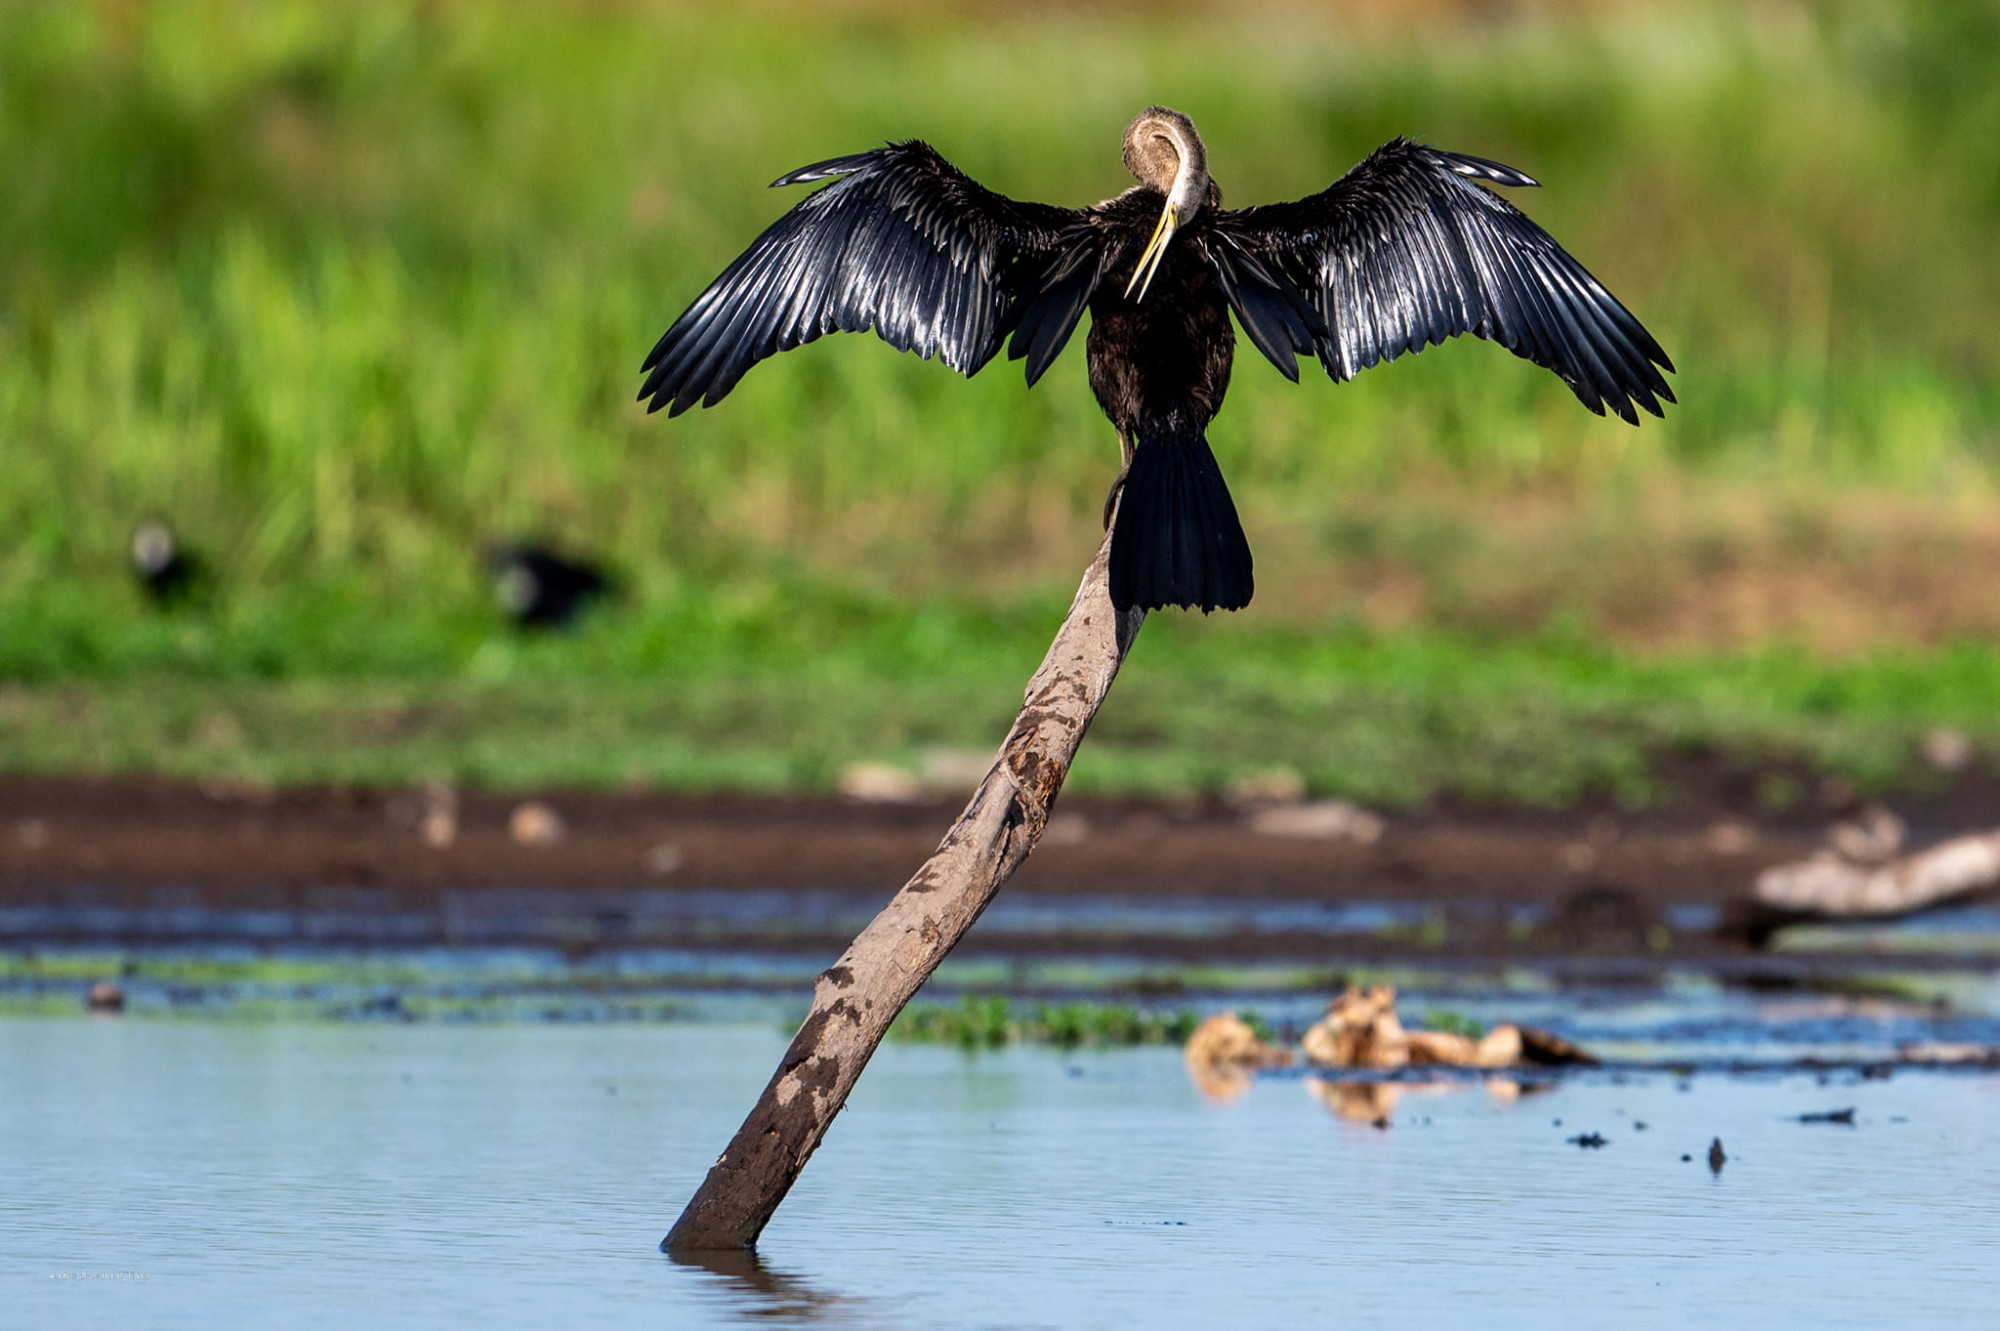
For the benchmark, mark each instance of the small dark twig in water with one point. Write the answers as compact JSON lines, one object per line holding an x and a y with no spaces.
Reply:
{"x":1590,"y":1141}
{"x":1844,"y":1116}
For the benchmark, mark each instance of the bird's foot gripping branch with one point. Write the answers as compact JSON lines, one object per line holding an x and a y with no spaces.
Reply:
{"x":858,"y":997}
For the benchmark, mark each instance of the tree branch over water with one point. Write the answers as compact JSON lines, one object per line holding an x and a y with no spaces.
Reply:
{"x":857,"y":998}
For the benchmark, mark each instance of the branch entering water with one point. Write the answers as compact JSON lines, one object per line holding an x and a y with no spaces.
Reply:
{"x":857,"y":997}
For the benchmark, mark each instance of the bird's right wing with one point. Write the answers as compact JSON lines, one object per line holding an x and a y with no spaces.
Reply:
{"x":902,"y":242}
{"x":1405,"y":251}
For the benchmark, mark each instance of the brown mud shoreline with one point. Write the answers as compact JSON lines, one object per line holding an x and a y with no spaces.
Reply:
{"x":1603,"y":878}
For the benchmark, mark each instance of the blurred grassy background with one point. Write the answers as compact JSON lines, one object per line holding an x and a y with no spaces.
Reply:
{"x":347,"y":292}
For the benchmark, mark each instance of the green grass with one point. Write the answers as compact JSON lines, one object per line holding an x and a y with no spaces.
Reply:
{"x":349,"y":292}
{"x":783,"y":696}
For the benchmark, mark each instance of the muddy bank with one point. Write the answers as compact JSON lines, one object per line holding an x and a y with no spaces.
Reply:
{"x":242,"y":844}
{"x":140,"y":843}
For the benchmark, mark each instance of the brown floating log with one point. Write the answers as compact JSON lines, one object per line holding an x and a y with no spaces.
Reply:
{"x":858,"y":996}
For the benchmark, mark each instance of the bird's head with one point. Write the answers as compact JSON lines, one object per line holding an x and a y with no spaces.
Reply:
{"x":1163,"y":151}
{"x":153,"y":548}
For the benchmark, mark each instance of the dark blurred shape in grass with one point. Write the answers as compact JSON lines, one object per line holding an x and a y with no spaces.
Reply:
{"x":348,"y":292}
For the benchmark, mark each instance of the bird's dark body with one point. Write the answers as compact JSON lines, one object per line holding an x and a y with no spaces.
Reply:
{"x":1160,"y":368}
{"x":1162,"y":363}
{"x":1401,"y":253}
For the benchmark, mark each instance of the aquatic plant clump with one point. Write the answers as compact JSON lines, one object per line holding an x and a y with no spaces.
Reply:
{"x":991,"y":1022}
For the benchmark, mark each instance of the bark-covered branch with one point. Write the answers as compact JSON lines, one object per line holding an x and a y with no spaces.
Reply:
{"x":858,"y":996}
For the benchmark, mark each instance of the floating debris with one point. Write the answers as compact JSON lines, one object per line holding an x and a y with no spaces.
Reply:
{"x":1590,"y":1141}
{"x":1224,"y":1054}
{"x":1551,"y":1050}
{"x":1841,"y":1116}
{"x":1716,"y":1157}
{"x":1361,"y":1030}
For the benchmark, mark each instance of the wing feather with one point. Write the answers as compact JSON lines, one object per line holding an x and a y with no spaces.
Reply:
{"x":901,"y":242}
{"x":1404,"y":252}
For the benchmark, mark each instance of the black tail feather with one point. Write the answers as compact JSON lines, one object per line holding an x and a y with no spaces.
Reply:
{"x":1176,"y":539}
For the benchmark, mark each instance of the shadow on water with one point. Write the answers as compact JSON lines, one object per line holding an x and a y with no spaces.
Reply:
{"x":752,"y":1287}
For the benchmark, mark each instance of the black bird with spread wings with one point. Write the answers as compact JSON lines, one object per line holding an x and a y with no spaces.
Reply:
{"x":1407,"y":249}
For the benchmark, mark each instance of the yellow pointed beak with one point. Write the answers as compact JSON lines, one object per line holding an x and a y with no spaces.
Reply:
{"x":1156,"y":250}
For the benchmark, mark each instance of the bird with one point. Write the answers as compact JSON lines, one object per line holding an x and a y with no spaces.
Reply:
{"x":539,"y":588}
{"x":168,"y":573}
{"x":1411,"y":247}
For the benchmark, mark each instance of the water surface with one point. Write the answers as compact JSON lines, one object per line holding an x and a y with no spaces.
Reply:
{"x":519,"y":1175}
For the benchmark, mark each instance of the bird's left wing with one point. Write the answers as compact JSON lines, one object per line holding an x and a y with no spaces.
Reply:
{"x":901,"y":242}
{"x":1405,"y":251}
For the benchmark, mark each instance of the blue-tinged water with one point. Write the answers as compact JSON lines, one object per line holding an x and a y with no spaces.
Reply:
{"x":347,"y":1175}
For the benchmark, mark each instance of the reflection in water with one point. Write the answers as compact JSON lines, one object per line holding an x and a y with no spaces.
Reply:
{"x":1221,"y":1083}
{"x":1356,"y":1101}
{"x":750,"y":1286}
{"x":1374,"y":1102}
{"x":1224,"y":1054}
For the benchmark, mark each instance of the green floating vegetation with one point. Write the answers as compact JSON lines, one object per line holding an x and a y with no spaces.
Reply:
{"x":991,"y":1022}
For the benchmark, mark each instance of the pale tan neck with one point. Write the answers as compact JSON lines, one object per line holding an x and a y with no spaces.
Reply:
{"x":1162,"y":150}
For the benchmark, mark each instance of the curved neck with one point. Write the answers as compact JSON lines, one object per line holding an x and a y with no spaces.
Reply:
{"x":1163,"y":151}
{"x":1189,"y":190}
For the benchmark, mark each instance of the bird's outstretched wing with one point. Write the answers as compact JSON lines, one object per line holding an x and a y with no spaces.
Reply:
{"x":902,"y":242}
{"x":1404,"y":251}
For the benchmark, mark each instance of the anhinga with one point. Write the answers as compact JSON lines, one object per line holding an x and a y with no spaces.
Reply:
{"x":1401,"y":252}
